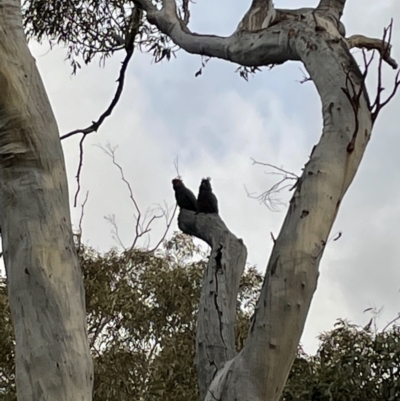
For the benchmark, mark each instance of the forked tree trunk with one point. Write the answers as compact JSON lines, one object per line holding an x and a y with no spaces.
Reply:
{"x":45,"y":281}
{"x":268,"y":36}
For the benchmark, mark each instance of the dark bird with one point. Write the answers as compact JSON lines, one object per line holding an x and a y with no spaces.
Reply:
{"x":207,"y":202}
{"x":184,"y":197}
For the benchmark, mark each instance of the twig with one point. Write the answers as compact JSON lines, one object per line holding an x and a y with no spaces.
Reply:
{"x":78,"y":173}
{"x":111,"y":219}
{"x":391,"y":322}
{"x":289,"y":173}
{"x":121,"y":80}
{"x":267,"y":196}
{"x":384,"y":48}
{"x":378,"y":105}
{"x":306,"y":78}
{"x":80,"y":230}
{"x":143,"y":222}
{"x":166,"y":230}
{"x":176,"y":165}
{"x":83,"y":211}
{"x":130,"y":47}
{"x":111,"y":152}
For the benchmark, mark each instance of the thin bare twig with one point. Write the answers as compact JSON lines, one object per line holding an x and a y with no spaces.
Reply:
{"x":384,"y":48}
{"x":129,"y":48}
{"x":176,"y":165}
{"x":267,"y":197}
{"x":169,"y":222}
{"x":378,"y":104}
{"x":289,"y":173}
{"x":112,"y":220}
{"x":391,"y":322}
{"x":143,"y":221}
{"x":110,"y":151}
{"x":78,"y":235}
{"x":83,"y":212}
{"x":78,"y":173}
{"x":306,"y":78}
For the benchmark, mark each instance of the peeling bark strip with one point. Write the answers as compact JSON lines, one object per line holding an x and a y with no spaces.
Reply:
{"x":45,"y":282}
{"x":259,"y":16}
{"x":268,"y":36}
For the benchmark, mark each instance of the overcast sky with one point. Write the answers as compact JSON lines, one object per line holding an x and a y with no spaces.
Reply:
{"x":215,"y":124}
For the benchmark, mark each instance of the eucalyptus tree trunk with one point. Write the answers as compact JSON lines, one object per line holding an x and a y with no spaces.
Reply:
{"x":44,"y":279}
{"x":268,"y":36}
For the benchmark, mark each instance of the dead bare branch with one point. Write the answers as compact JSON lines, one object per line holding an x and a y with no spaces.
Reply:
{"x":78,"y":235}
{"x":169,"y":222}
{"x":143,"y":221}
{"x":78,"y":173}
{"x":268,"y":197}
{"x":110,"y":151}
{"x":364,"y":42}
{"x":378,"y":104}
{"x":115,"y":231}
{"x":289,"y":173}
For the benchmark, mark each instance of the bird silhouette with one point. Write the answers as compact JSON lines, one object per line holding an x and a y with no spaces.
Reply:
{"x":207,"y":202}
{"x":184,"y":196}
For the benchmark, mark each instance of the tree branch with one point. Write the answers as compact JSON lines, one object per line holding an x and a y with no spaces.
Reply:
{"x":245,"y":48}
{"x":364,"y":42}
{"x":130,"y":47}
{"x":215,"y":341}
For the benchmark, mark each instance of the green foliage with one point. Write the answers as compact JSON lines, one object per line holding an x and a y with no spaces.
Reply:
{"x":142,"y":311}
{"x":90,"y":28}
{"x":352,"y":364}
{"x":7,"y":377}
{"x":141,"y":314}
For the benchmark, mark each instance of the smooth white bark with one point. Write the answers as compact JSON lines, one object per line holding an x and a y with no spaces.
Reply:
{"x":44,"y":279}
{"x":291,"y":279}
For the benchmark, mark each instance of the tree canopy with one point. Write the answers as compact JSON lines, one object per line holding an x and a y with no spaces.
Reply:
{"x":94,"y":28}
{"x":141,"y":315}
